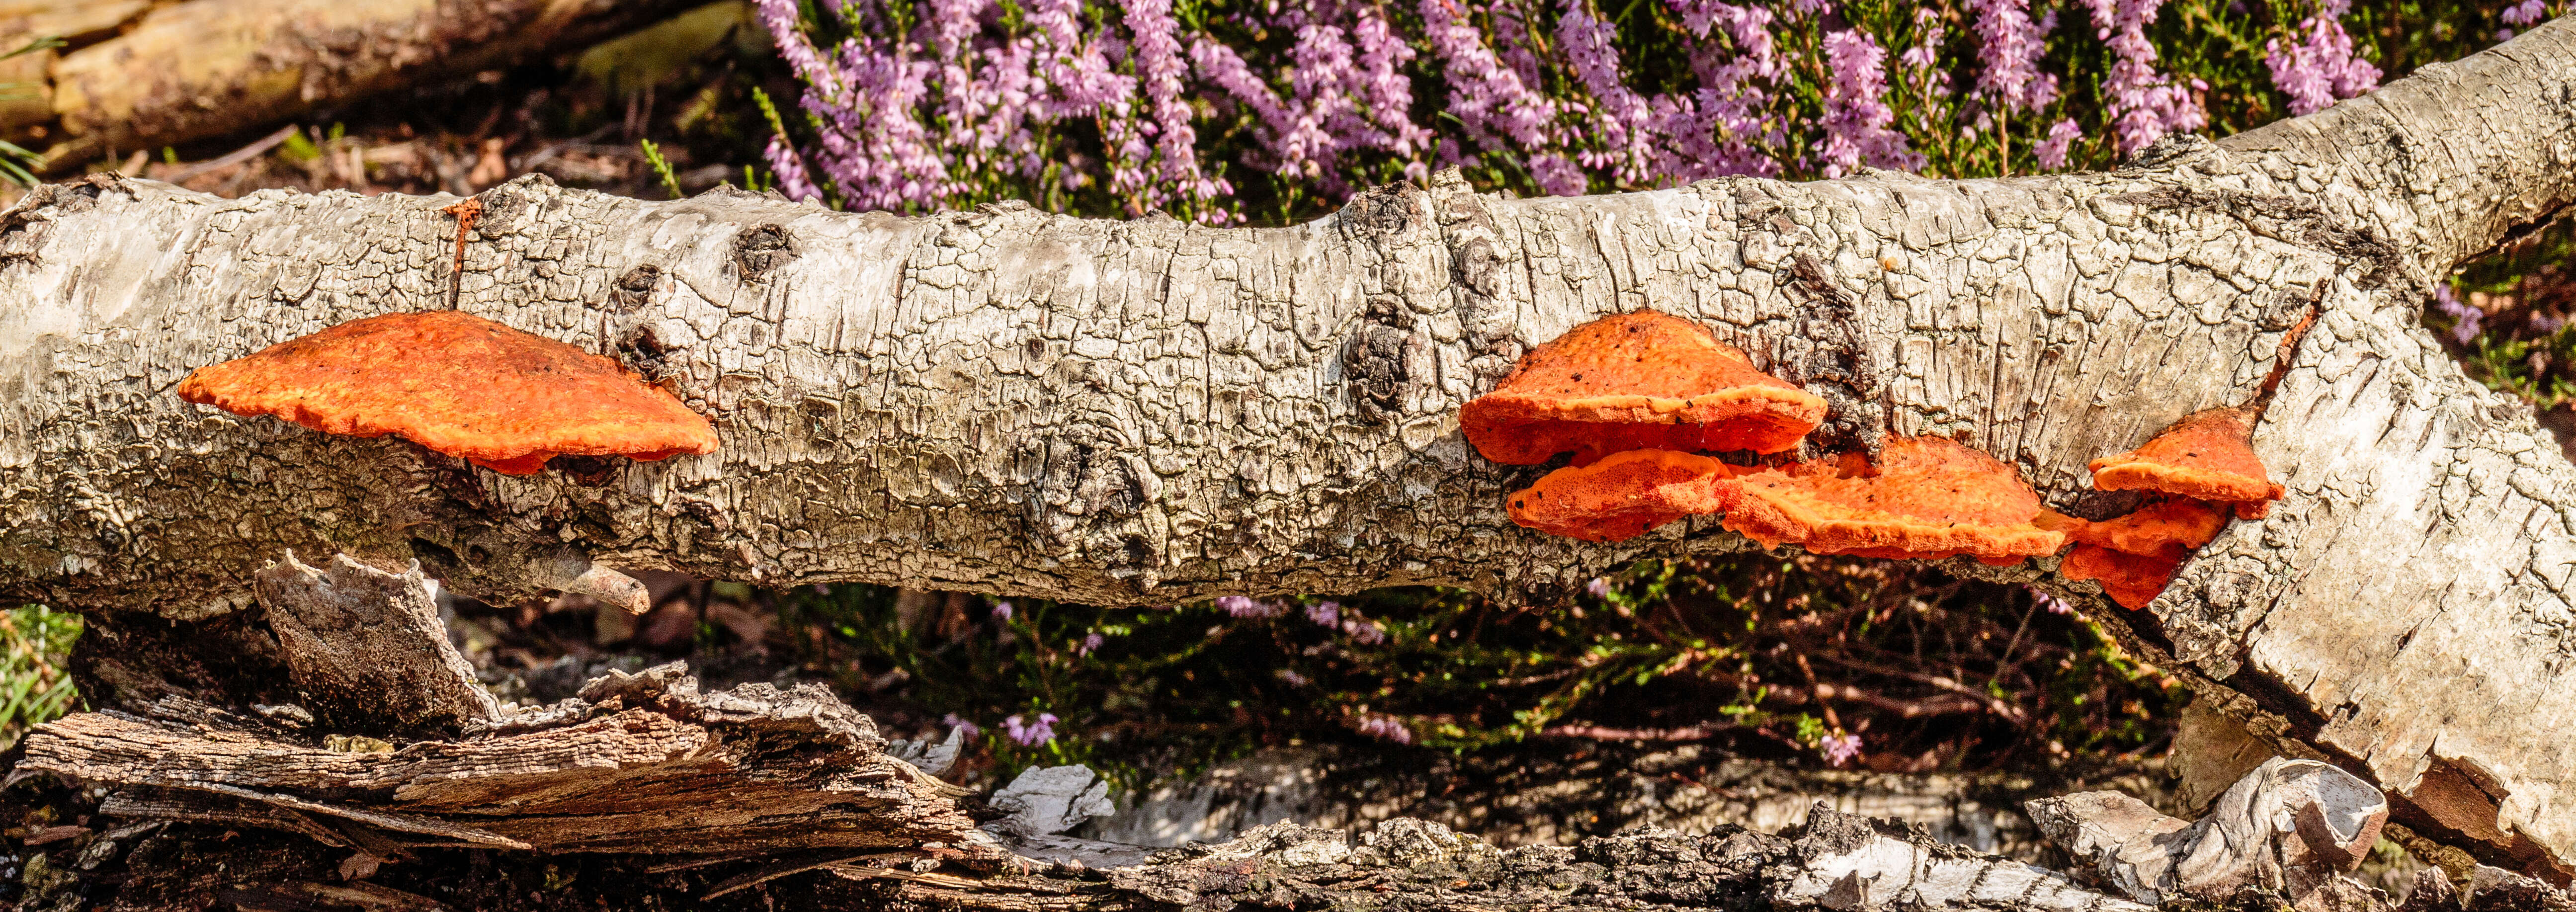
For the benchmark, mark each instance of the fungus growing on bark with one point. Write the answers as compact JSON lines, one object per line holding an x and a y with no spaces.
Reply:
{"x":2208,"y":455}
{"x":1623,"y":495}
{"x":1636,"y":381}
{"x":2203,"y":465}
{"x":460,"y":385}
{"x":2153,"y":529}
{"x":1926,"y":497}
{"x":2132,"y":580}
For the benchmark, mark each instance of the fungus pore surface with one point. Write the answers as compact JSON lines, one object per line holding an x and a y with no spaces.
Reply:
{"x":459,"y":385}
{"x":1636,"y":381}
{"x":1926,"y":497}
{"x":2132,"y":580}
{"x":1623,"y":495}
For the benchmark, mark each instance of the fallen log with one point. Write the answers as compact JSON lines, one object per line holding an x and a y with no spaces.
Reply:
{"x":143,"y":75}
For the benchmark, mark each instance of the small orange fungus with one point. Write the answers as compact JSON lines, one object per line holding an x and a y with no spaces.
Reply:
{"x":1623,"y":495}
{"x":1634,"y":381}
{"x":2152,"y":529}
{"x":2208,"y":455}
{"x":459,"y":385}
{"x":1927,"y":497}
{"x":2132,"y":580}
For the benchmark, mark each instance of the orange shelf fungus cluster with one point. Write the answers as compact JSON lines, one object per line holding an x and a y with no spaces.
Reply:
{"x":1631,"y":396}
{"x":459,"y":385}
{"x":1635,"y":397}
{"x":2197,"y":471}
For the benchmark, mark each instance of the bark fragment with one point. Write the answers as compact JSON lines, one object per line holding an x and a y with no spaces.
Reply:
{"x":2290,"y":827}
{"x":367,"y":649}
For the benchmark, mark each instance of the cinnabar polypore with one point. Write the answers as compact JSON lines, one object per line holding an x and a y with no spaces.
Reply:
{"x":2132,"y":580}
{"x":1623,"y":495}
{"x":1925,"y":497}
{"x":459,"y":385}
{"x":1636,"y":381}
{"x":2208,"y":455}
{"x":2203,"y":464}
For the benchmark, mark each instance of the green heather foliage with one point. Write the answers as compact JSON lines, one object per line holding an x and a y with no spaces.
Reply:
{"x":34,"y":641}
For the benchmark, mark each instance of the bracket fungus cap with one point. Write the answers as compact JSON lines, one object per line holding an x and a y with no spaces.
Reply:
{"x":1925,"y":497}
{"x":1634,"y":381}
{"x":1623,"y":495}
{"x":459,"y":385}
{"x":2132,"y":580}
{"x":2208,"y":455}
{"x":2151,"y":530}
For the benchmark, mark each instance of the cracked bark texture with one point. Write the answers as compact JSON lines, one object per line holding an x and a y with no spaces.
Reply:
{"x":1144,"y":412}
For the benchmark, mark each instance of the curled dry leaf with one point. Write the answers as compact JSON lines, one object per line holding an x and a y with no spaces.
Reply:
{"x":460,"y":385}
{"x":1636,"y":381}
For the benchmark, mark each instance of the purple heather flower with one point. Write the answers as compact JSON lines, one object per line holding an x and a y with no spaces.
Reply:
{"x":1088,"y":644}
{"x":1599,"y":587}
{"x":2011,"y":46}
{"x":1386,"y":728}
{"x":2466,"y":320}
{"x":1840,"y":749}
{"x":1001,"y":611}
{"x":1857,"y":119}
{"x":1245,"y":607}
{"x":1492,"y":100}
{"x":972,"y":730}
{"x":1327,"y":613}
{"x":2052,"y":151}
{"x":1161,"y":68}
{"x":1294,"y":679}
{"x":1030,"y":734}
{"x":1365,"y":632}
{"x":2144,"y":104}
{"x":2320,"y":67}
{"x":2054,"y":604}
{"x":2524,"y":13}
{"x":1557,"y":175}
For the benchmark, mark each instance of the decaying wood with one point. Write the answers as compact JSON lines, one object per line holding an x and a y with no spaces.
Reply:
{"x":641,"y":763}
{"x":141,"y":75}
{"x":366,"y":649}
{"x":1149,"y":411}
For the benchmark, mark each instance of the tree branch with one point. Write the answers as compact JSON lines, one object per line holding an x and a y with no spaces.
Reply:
{"x":1151,"y":411}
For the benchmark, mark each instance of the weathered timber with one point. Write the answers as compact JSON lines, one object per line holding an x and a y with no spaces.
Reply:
{"x":638,"y":763}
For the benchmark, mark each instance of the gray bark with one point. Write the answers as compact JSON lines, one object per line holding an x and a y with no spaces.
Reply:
{"x":1150,"y":411}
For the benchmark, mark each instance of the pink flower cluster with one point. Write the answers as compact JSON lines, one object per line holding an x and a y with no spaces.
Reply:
{"x":2320,"y":66}
{"x":1030,"y":733}
{"x":1159,"y":105}
{"x":2145,"y":104}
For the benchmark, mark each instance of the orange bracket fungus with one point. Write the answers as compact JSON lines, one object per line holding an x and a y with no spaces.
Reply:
{"x":1926,"y":497}
{"x":2203,"y":465}
{"x":2208,"y":455}
{"x":1636,"y":381}
{"x":459,"y":385}
{"x":1630,"y":394}
{"x":1623,"y":495}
